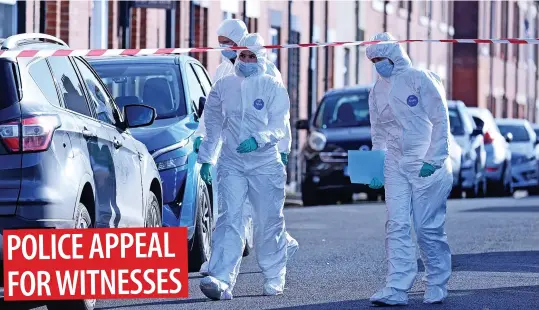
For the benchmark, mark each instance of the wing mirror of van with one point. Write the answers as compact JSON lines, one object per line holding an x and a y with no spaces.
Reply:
{"x":302,"y":124}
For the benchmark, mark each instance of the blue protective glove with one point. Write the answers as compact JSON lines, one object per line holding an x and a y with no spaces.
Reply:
{"x":284,"y":158}
{"x":247,"y":146}
{"x":196,"y":144}
{"x":376,"y":184}
{"x":427,"y":170}
{"x":205,"y":173}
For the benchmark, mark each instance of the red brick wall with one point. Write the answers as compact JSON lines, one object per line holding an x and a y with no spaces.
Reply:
{"x":51,"y":17}
{"x":64,"y":21}
{"x":143,"y":28}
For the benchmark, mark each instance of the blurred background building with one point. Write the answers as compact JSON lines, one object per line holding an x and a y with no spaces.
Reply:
{"x":502,"y":77}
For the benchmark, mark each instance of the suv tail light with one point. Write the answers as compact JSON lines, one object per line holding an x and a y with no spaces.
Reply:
{"x":33,"y":134}
{"x":488,"y":138}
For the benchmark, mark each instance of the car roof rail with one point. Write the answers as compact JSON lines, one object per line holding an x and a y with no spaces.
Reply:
{"x":11,"y":42}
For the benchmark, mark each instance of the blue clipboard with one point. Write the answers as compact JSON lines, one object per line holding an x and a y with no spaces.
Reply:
{"x":363,"y":166}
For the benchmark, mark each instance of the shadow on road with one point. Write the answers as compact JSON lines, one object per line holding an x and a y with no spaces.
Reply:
{"x":517,"y":261}
{"x":525,"y":209}
{"x":19,"y":305}
{"x":174,"y":302}
{"x":519,"y":297}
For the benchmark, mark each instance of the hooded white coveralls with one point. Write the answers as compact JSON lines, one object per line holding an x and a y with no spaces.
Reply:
{"x":239,"y":108}
{"x":236,"y":30}
{"x":409,"y":119}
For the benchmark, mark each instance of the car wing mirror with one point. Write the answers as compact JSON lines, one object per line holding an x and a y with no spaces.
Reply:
{"x":201,"y":105}
{"x":138,"y":115}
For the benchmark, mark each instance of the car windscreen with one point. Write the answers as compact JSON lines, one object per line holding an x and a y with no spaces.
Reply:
{"x":155,"y":85}
{"x":8,"y":87}
{"x":520,"y":134}
{"x":455,"y":122}
{"x":344,"y":110}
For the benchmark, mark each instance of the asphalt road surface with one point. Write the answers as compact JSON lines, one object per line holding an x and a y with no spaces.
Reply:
{"x":340,"y":264}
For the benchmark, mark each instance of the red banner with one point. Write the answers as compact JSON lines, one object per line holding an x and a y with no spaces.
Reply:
{"x":43,"y":264}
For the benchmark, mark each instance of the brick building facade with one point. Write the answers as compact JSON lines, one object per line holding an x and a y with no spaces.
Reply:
{"x":500,"y":77}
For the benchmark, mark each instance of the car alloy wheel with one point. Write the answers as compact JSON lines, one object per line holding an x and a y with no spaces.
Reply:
{"x":206,"y":224}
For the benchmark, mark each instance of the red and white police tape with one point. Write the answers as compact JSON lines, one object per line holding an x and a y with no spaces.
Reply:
{"x":170,"y":51}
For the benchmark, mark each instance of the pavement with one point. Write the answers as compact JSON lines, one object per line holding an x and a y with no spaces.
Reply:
{"x":341,"y":263}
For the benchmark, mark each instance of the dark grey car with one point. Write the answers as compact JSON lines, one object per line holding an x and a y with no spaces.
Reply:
{"x":68,"y":159}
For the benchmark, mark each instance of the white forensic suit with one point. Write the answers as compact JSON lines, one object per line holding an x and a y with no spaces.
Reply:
{"x":225,"y":68}
{"x":239,"y":108}
{"x":409,"y":119}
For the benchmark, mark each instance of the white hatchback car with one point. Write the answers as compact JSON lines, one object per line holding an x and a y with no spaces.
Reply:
{"x":525,"y":164}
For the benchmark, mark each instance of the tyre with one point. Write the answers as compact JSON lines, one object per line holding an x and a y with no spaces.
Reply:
{"x":153,"y":212}
{"x":82,"y":221}
{"x":309,"y":196}
{"x":201,"y":242}
{"x":372,"y":196}
{"x":483,"y":188}
{"x":345,"y":197}
{"x":456,"y":193}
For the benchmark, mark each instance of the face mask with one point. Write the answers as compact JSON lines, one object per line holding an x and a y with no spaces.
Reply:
{"x":384,"y":68}
{"x":228,"y":53}
{"x":247,"y":68}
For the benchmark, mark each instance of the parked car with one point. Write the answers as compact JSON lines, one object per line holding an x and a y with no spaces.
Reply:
{"x":498,"y":169}
{"x":524,"y":159}
{"x":470,"y":139}
{"x":176,"y":86}
{"x":536,"y":129}
{"x":68,"y":158}
{"x":341,"y":123}
{"x":455,"y":155}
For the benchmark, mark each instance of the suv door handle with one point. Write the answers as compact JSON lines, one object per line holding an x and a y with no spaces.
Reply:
{"x":117,"y":143}
{"x":88,"y":134}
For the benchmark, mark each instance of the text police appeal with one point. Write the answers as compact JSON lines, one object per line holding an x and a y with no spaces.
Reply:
{"x":95,"y":263}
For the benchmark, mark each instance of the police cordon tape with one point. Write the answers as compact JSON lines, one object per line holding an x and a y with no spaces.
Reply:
{"x":171,"y":51}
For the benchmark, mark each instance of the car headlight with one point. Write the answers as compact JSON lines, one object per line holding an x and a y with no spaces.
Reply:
{"x":317,"y":141}
{"x":179,"y":160}
{"x":171,"y":163}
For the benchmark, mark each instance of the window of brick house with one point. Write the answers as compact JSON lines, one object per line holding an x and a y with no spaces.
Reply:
{"x":275,"y":54}
{"x":252,"y":24}
{"x":201,"y":32}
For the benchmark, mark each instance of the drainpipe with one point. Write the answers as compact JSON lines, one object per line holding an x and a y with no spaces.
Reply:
{"x":191,"y":24}
{"x":429,"y":31}
{"x":310,"y":86}
{"x":491,"y":64}
{"x":385,"y":15}
{"x":289,"y":42}
{"x":357,"y":39}
{"x":408,"y":23}
{"x":326,"y":78}
{"x":245,"y":12}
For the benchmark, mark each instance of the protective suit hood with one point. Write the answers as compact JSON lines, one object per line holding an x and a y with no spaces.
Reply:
{"x":253,"y":41}
{"x":393,"y":51}
{"x":234,"y":29}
